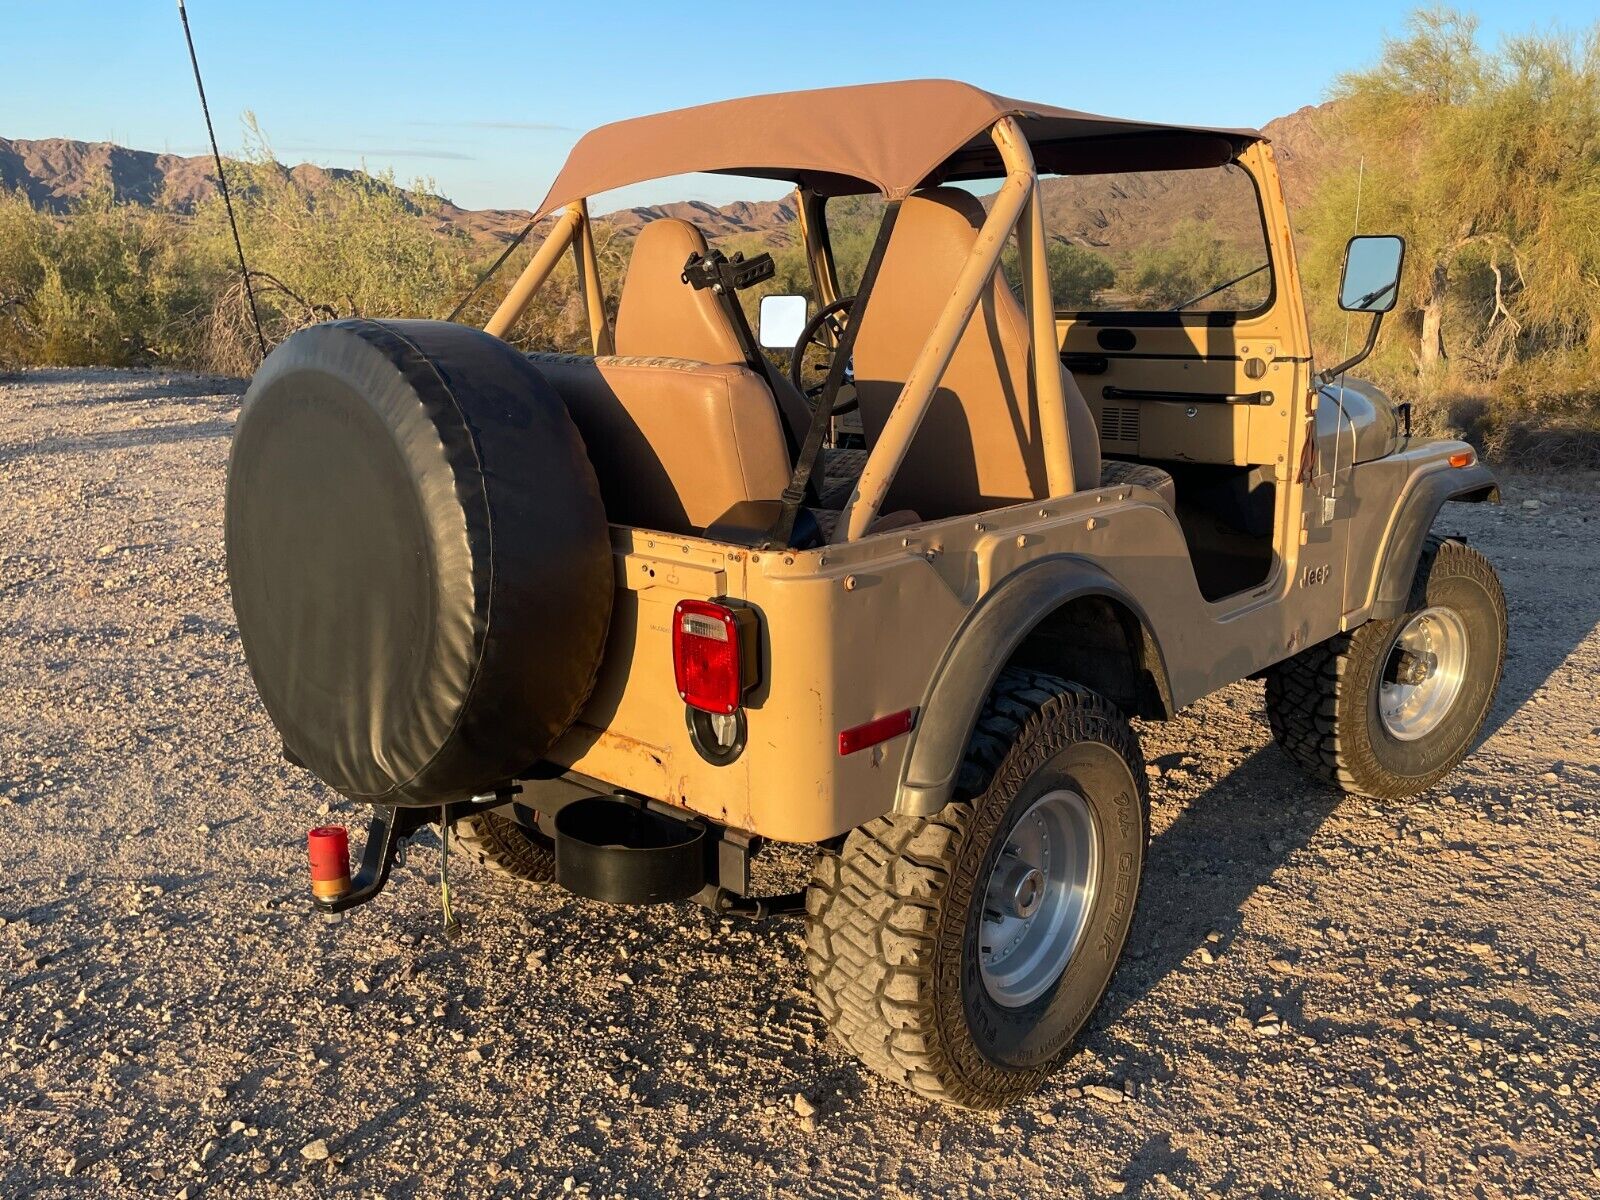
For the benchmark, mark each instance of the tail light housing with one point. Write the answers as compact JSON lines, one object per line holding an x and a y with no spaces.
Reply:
{"x":713,"y":654}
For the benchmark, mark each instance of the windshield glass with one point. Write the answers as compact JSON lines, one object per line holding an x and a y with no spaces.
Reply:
{"x":1134,"y":242}
{"x":1156,"y":241}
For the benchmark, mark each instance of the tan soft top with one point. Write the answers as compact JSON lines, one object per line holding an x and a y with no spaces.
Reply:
{"x":883,"y":137}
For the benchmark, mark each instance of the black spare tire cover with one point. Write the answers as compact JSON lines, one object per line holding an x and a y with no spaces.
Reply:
{"x":418,"y":556}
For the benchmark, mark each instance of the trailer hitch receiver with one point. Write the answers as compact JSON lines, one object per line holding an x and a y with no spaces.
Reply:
{"x":329,"y":851}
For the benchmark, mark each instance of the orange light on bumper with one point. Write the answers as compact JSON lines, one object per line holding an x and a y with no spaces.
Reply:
{"x":1464,"y":458}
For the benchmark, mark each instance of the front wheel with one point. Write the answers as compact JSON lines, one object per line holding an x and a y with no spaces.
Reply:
{"x":960,"y":955}
{"x":1388,"y":709}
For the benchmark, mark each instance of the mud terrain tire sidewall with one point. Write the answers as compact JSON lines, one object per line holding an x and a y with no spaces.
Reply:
{"x":1323,"y":703}
{"x":890,"y":920}
{"x":1075,"y":747}
{"x":1450,"y":578}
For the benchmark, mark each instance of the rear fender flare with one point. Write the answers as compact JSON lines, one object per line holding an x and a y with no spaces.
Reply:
{"x":980,"y":649}
{"x":1419,"y":507}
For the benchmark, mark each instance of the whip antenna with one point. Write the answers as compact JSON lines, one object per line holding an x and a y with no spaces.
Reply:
{"x":1330,"y":503}
{"x":222,"y":182}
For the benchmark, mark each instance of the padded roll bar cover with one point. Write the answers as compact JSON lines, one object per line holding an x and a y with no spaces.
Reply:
{"x":418,"y":555}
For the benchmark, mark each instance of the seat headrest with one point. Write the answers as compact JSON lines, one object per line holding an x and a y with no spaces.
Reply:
{"x":659,"y":315}
{"x":954,"y":201}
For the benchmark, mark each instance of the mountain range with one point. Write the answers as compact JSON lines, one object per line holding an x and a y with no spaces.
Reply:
{"x":58,"y":174}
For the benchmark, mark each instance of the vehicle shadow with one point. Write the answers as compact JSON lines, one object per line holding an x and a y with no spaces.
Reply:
{"x":1542,"y":637}
{"x":1202,"y":868}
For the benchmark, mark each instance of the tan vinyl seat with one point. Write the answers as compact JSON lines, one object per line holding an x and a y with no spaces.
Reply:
{"x":978,"y":446}
{"x":675,"y":444}
{"x":661,"y":316}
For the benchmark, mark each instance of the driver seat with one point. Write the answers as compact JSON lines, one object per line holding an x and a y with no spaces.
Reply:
{"x":661,"y":316}
{"x":979,"y":444}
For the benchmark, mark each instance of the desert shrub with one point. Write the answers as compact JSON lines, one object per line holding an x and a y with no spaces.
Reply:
{"x":114,"y":284}
{"x":1077,"y":274}
{"x":1488,"y":162}
{"x":1190,"y":261}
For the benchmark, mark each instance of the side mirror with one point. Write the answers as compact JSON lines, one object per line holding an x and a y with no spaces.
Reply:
{"x":1370,"y":281}
{"x":783,"y":320}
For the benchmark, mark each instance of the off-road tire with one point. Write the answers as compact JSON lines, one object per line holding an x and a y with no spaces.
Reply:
{"x":506,"y":847}
{"x":892,"y":919}
{"x":1322,"y":704}
{"x":1114,"y":472}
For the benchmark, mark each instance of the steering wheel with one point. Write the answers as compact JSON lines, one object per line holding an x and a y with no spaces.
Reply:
{"x":831,"y":317}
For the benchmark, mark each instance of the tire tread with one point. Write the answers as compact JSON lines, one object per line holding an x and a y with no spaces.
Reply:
{"x":873,"y":909}
{"x":505,"y":847}
{"x":1307,"y":694}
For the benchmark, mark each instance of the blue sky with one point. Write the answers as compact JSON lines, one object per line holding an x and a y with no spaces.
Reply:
{"x":486,"y":98}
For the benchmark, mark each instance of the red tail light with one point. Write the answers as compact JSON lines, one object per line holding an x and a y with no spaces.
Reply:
{"x":713,"y":654}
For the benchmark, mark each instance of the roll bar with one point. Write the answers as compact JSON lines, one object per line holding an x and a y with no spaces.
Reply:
{"x":1017,"y":208}
{"x":572,"y":229}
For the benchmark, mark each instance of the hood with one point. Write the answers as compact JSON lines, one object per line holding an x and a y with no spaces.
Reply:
{"x":1352,"y":413}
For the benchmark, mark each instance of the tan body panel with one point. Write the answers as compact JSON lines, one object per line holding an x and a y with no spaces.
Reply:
{"x":855,"y":632}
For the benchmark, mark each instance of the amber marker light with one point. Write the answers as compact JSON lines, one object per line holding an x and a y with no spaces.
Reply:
{"x":1463,"y":458}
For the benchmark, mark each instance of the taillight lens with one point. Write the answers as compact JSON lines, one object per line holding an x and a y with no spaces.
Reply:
{"x":710,"y":656}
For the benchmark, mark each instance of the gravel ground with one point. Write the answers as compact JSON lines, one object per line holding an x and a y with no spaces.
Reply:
{"x":1325,"y":996}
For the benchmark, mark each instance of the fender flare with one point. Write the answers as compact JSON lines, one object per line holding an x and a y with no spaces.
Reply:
{"x":973,"y":660}
{"x":1397,"y":564}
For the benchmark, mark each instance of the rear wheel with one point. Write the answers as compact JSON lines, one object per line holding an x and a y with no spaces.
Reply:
{"x":961,"y":954}
{"x":1389,"y":708}
{"x":506,"y":847}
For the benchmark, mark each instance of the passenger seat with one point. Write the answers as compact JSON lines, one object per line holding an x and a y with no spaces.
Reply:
{"x":675,"y":444}
{"x":678,"y":428}
{"x":661,"y":316}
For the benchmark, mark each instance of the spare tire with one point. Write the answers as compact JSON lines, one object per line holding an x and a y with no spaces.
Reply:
{"x":418,"y":555}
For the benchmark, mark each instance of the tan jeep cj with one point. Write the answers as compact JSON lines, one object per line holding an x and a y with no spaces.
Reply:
{"x":622,"y":620}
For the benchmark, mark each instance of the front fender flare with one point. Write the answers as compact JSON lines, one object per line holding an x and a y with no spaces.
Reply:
{"x":972,"y":662}
{"x":1397,"y":565}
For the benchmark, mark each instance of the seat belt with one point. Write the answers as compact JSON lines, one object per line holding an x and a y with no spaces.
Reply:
{"x":802,"y":483}
{"x":727,"y":277}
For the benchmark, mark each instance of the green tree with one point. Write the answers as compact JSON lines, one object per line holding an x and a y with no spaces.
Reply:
{"x":1190,"y":261}
{"x":1077,"y":275}
{"x":1489,"y":163}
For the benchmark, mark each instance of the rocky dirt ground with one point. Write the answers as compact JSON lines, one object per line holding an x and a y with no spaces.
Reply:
{"x":1326,"y":996}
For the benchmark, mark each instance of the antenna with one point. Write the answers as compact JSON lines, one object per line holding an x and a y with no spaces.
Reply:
{"x":222,"y":182}
{"x":1331,"y":503}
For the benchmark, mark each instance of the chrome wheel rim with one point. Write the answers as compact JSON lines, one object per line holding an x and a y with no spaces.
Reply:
{"x":1037,"y":899}
{"x":1423,"y":675}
